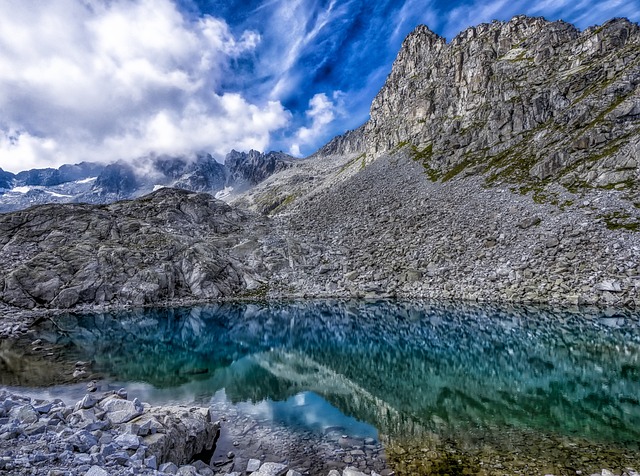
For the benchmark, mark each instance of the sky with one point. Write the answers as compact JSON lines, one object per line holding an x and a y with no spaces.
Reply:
{"x":106,"y":80}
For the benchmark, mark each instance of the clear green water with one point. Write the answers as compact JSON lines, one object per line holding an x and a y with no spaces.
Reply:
{"x":476,"y":379}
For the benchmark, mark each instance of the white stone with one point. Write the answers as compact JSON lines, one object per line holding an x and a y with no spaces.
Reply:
{"x":272,"y":469}
{"x":151,"y":462}
{"x":253,"y":465}
{"x":187,"y":470}
{"x":170,"y":468}
{"x":350,"y":471}
{"x":96,"y":471}
{"x":128,"y":441}
{"x":24,"y":414}
{"x":611,"y":286}
{"x":120,"y":411}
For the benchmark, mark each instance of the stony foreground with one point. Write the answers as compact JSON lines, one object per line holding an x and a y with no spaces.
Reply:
{"x":110,"y":435}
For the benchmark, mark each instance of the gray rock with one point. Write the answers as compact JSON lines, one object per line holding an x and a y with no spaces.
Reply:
{"x":24,"y":414}
{"x":551,"y":242}
{"x":82,"y":459}
{"x":128,"y":441}
{"x":271,"y":469}
{"x":253,"y":465}
{"x":350,"y":471}
{"x":96,"y":471}
{"x":88,"y":401}
{"x":43,"y":408}
{"x":183,"y":433}
{"x":82,"y":440}
{"x":151,"y":462}
{"x":119,"y":410}
{"x":169,"y":468}
{"x":187,"y":470}
{"x":611,"y":286}
{"x":108,"y":449}
{"x":202,"y":468}
{"x":182,"y":258}
{"x":529,"y":222}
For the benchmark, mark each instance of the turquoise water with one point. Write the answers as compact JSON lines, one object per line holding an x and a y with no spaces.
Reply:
{"x":381,"y":369}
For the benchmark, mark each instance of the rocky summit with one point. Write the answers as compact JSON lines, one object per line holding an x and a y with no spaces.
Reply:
{"x":526,"y":102}
{"x":500,"y":166}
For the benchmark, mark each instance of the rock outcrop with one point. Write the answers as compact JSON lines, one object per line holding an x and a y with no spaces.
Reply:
{"x":525,"y":101}
{"x":6,"y":180}
{"x":253,"y":167}
{"x":169,"y":245}
{"x":102,"y":435}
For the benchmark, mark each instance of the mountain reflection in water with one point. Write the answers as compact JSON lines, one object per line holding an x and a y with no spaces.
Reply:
{"x":406,"y":368}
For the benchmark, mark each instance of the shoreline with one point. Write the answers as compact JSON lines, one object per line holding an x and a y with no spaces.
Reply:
{"x":15,"y":321}
{"x":47,"y":436}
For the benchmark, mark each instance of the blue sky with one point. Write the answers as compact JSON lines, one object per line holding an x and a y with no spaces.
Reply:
{"x":104,"y":80}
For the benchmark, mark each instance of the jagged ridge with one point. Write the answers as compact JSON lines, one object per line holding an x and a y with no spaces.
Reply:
{"x":98,"y":183}
{"x":525,"y":101}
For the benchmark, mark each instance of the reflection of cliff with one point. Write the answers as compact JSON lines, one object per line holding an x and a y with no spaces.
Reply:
{"x":400,"y":366}
{"x":352,"y":399}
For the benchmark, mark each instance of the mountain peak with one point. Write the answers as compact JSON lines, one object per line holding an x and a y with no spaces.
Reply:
{"x":521,"y":101}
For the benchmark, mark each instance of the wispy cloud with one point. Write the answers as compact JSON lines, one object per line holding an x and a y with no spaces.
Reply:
{"x":112,"y":79}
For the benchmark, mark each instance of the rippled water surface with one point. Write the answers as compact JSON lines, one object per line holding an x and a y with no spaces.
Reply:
{"x":495,"y":388}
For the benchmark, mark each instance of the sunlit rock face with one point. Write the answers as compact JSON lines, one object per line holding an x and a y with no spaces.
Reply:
{"x":523,"y":101}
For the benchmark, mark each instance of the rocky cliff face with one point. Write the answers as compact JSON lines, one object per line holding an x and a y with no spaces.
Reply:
{"x":6,"y":180}
{"x":502,"y":166}
{"x":253,"y":167}
{"x":526,"y":102}
{"x":169,"y":245}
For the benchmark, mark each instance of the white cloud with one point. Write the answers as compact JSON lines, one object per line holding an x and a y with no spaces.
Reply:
{"x":322,"y":112}
{"x":116,"y":79}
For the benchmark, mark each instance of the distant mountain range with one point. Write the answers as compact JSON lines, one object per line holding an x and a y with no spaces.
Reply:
{"x":90,"y":182}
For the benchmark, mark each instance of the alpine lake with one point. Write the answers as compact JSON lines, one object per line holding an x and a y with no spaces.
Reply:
{"x":410,"y":387}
